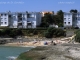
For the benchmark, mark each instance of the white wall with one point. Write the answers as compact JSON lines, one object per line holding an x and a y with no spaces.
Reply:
{"x":13,"y":22}
{"x":25,"y":21}
{"x":38,"y":19}
{"x":4,"y":19}
{"x":68,"y":19}
{"x":78,"y":20}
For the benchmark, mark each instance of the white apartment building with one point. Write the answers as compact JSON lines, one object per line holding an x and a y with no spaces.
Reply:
{"x":71,"y":19}
{"x":20,"y":19}
{"x":4,"y":20}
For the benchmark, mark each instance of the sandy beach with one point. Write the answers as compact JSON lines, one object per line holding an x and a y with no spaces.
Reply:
{"x":36,"y":43}
{"x":27,"y":44}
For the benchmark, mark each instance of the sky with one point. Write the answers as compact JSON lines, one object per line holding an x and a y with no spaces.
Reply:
{"x":39,"y":5}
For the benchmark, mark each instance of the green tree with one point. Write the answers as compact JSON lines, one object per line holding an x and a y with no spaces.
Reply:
{"x":46,"y":20}
{"x":56,"y":19}
{"x":60,"y":17}
{"x":73,"y":11}
{"x":43,"y":24}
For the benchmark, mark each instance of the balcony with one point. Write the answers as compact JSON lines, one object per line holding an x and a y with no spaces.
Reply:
{"x":30,"y":15}
{"x":20,"y":26}
{"x":29,"y":24}
{"x":20,"y":21}
{"x":9,"y":16}
{"x":20,"y":18}
{"x":19,"y":15}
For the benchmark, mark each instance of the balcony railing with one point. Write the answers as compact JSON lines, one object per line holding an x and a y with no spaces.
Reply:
{"x":19,"y":21}
{"x":20,"y":26}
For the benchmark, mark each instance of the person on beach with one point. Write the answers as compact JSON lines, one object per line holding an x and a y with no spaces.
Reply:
{"x":34,"y":42}
{"x":45,"y":43}
{"x":53,"y":43}
{"x":39,"y":42}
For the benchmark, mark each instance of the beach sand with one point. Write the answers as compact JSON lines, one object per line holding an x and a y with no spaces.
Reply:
{"x":35,"y":43}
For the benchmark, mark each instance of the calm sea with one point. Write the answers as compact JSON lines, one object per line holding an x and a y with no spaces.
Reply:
{"x":6,"y":51}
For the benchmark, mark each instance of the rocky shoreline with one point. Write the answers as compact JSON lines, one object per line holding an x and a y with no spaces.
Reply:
{"x":65,"y":51}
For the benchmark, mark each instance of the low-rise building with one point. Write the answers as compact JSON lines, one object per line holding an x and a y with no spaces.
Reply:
{"x":71,"y":19}
{"x":20,"y":19}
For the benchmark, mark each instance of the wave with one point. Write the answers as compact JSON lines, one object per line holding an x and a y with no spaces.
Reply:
{"x":11,"y":57}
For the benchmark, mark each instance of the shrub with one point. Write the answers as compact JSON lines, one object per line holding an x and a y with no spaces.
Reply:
{"x":54,"y":32}
{"x":10,"y":32}
{"x":76,"y":28}
{"x":59,"y":32}
{"x":35,"y":32}
{"x":77,"y":37}
{"x":77,"y":31}
{"x":48,"y":35}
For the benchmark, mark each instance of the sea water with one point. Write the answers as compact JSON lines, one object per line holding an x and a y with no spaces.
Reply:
{"x":7,"y":52}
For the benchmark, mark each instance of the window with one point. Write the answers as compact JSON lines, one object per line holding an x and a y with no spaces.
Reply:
{"x":68,"y":15}
{"x":68,"y":22}
{"x":68,"y":18}
{"x":1,"y":22}
{"x":5,"y":22}
{"x":5,"y":18}
{"x":20,"y":18}
{"x":1,"y":18}
{"x":23,"y":15}
{"x":32,"y":22}
{"x":5,"y":14}
{"x":1,"y":14}
{"x":76,"y":18}
{"x":78,"y":14}
{"x":28,"y":23}
{"x":75,"y":14}
{"x":20,"y":24}
{"x":64,"y":18}
{"x":64,"y":15}
{"x":9,"y":16}
{"x":30,"y":15}
{"x":13,"y":17}
{"x":64,"y":22}
{"x":23,"y":18}
{"x":23,"y":23}
{"x":79,"y":18}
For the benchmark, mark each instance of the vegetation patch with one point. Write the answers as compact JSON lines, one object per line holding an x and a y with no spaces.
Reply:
{"x":77,"y":37}
{"x":54,"y":32}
